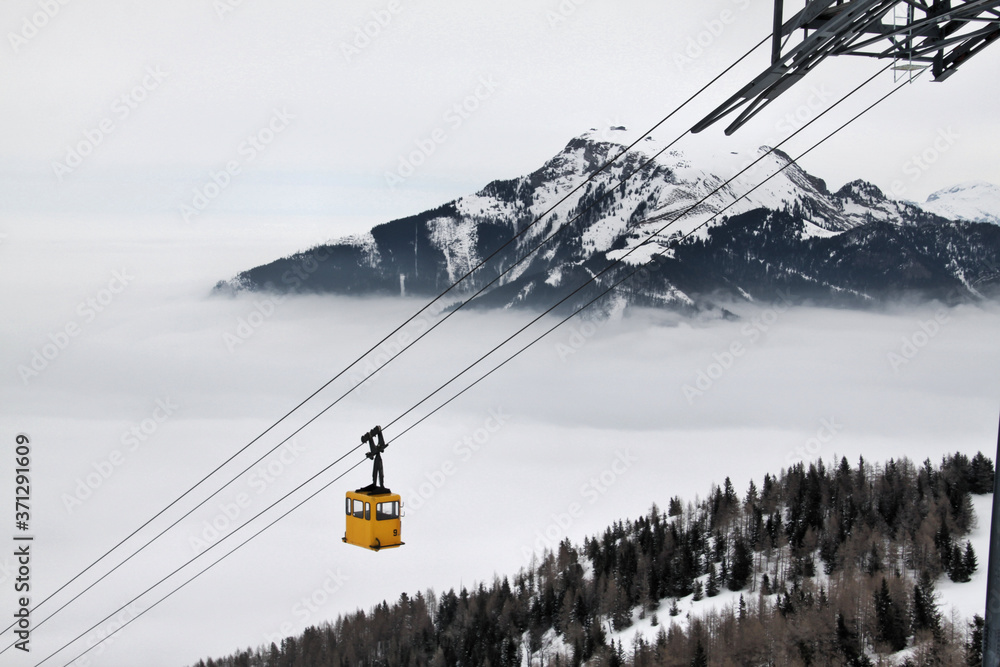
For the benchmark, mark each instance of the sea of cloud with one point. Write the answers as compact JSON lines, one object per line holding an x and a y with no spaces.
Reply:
{"x":134,"y":381}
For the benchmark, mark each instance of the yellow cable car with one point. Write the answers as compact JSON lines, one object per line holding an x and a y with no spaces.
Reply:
{"x":374,"y":513}
{"x":373,"y":520}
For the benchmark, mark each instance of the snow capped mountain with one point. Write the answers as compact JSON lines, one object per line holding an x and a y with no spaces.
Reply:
{"x":714,"y":225}
{"x":976,"y":201}
{"x":677,"y":190}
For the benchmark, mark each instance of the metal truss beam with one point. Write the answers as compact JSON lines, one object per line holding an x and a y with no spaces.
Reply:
{"x":940,"y":34}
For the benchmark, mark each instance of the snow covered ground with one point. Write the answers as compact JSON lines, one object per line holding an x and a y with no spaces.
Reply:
{"x":161,"y":382}
{"x":970,"y":598}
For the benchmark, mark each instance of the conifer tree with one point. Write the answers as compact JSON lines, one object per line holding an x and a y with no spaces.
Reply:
{"x":889,"y":619}
{"x":969,"y":560}
{"x":874,"y":562}
{"x":742,"y":565}
{"x":675,"y":508}
{"x":700,"y":657}
{"x":974,"y":647}
{"x":942,"y":540}
{"x":925,"y":612}
{"x":957,"y":571}
{"x":615,"y":659}
{"x":712,"y":585}
{"x":981,"y":472}
{"x":849,"y":645}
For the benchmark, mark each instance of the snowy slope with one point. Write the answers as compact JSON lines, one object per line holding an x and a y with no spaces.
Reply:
{"x":976,"y":201}
{"x":958,"y":602}
{"x":970,"y":598}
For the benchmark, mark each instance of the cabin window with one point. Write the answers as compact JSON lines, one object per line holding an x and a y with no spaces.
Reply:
{"x":358,"y":510}
{"x":386,"y":511}
{"x":348,"y":503}
{"x":368,"y":511}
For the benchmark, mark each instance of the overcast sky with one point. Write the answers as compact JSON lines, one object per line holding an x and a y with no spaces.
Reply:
{"x":168,"y":93}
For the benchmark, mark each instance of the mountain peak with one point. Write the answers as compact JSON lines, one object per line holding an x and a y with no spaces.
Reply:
{"x":974,"y":201}
{"x":965,"y":190}
{"x":862,"y":192}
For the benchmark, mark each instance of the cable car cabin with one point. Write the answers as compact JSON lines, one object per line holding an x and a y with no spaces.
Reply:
{"x":373,"y":519}
{"x":373,"y":513}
